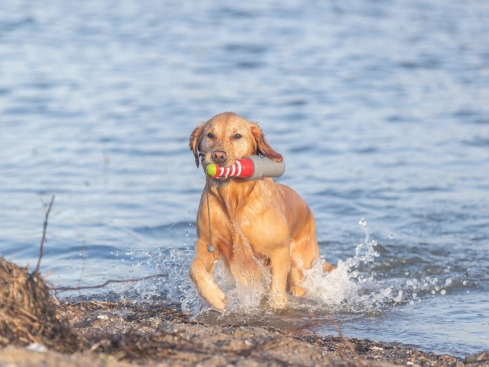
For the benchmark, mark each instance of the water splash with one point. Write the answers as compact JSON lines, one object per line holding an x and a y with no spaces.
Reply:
{"x":347,"y":288}
{"x":344,"y":288}
{"x":354,"y":286}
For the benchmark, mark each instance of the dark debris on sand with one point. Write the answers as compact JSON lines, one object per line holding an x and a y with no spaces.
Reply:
{"x":144,"y":332}
{"x":158,"y":334}
{"x":28,"y":313}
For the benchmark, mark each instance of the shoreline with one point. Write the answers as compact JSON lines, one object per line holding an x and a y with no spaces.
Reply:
{"x":156,"y":334}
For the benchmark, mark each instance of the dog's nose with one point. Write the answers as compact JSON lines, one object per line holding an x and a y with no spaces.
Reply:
{"x":218,"y":156}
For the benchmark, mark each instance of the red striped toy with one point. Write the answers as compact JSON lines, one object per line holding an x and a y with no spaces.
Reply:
{"x":251,"y":167}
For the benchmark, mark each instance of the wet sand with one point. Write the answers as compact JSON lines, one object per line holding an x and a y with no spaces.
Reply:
{"x":156,"y":334}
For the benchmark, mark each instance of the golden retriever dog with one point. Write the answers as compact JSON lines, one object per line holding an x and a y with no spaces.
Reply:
{"x":255,"y":226}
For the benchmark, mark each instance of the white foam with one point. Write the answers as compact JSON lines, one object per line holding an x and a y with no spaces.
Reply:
{"x":351,"y":287}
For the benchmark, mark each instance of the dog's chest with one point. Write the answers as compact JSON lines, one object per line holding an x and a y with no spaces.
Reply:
{"x":262,"y":228}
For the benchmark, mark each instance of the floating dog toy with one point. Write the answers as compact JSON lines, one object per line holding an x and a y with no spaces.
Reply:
{"x":251,"y":167}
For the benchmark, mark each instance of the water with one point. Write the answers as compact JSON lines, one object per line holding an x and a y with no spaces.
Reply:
{"x":380,"y":109}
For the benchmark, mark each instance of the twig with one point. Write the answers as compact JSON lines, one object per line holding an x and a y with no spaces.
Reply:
{"x":44,"y":235}
{"x":346,"y":341}
{"x":34,"y":318}
{"x":78,"y":288}
{"x":64,"y":289}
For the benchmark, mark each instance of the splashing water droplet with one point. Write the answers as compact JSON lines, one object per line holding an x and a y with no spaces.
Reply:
{"x":350,"y":285}
{"x":353,"y":286}
{"x":399,"y":297}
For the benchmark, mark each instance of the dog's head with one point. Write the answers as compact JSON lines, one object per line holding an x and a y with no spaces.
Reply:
{"x":226,"y":138}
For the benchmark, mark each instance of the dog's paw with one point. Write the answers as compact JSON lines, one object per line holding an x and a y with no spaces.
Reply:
{"x":279,"y":301}
{"x":327,"y":268}
{"x":218,"y":301}
{"x":297,"y":291}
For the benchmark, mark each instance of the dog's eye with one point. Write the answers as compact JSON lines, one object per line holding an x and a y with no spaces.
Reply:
{"x":210,"y":135}
{"x":237,"y":136}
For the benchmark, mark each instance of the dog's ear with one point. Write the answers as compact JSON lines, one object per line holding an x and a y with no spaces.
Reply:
{"x":263,"y":147}
{"x":194,"y":141}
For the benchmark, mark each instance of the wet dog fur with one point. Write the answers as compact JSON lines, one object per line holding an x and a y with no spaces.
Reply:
{"x":255,"y":225}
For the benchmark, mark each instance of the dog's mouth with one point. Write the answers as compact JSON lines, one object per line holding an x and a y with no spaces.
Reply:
{"x":217,"y":181}
{"x":220,"y":181}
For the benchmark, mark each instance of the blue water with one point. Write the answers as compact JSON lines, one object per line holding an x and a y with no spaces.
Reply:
{"x":380,"y":109}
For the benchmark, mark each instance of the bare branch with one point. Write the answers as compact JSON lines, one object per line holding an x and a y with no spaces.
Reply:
{"x":44,"y":234}
{"x":64,"y":289}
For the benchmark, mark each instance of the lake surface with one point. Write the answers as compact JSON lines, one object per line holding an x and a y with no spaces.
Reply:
{"x":380,"y":109}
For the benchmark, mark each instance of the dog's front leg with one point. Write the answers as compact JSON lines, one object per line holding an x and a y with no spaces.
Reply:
{"x":201,"y":273}
{"x":279,"y":268}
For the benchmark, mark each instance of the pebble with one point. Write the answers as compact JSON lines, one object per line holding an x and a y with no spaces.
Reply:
{"x":376,"y":348}
{"x":479,"y":357}
{"x":36,"y":347}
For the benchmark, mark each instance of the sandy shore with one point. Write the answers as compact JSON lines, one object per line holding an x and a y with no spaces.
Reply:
{"x":123,"y":334}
